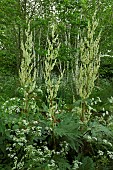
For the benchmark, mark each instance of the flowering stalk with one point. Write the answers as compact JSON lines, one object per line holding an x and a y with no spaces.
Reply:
{"x":27,"y":73}
{"x":52,"y":84}
{"x":89,"y":62}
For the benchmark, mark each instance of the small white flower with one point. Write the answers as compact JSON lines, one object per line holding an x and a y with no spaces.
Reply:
{"x":25,"y":122}
{"x":99,"y":99}
{"x":95,"y":102}
{"x":33,"y":128}
{"x":58,"y":153}
{"x":50,"y":119}
{"x":110,"y":144}
{"x":107,"y":112}
{"x":103,"y":109}
{"x":12,"y":99}
{"x":100,"y":153}
{"x":14,"y":144}
{"x":17,"y":109}
{"x":105,"y":141}
{"x":110,"y":154}
{"x":94,"y":138}
{"x":91,"y":103}
{"x":35,"y":122}
{"x":103,"y":114}
{"x":76,"y":164}
{"x":89,"y":137}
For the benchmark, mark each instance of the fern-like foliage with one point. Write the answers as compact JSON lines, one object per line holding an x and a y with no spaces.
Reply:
{"x":62,"y":163}
{"x":87,"y":164}
{"x":99,"y":130}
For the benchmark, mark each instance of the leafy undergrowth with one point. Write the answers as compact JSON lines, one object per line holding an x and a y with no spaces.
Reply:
{"x":29,"y":141}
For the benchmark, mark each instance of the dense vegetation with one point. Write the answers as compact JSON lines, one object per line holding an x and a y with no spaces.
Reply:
{"x":56,"y":85}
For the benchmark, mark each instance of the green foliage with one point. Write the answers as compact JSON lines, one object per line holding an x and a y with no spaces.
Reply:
{"x":104,"y":91}
{"x":87,"y":163}
{"x":69,"y":129}
{"x":106,"y":69}
{"x":29,"y":140}
{"x":8,"y":87}
{"x":24,"y":139}
{"x":63,"y":163}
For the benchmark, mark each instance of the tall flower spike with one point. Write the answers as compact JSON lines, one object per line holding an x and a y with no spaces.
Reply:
{"x":27,"y":72}
{"x":50,"y":61}
{"x":89,"y":61}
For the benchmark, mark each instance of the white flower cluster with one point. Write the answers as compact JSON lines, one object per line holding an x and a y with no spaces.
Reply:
{"x":38,"y":154}
{"x":90,"y":138}
{"x":17,"y":165}
{"x":52,"y":165}
{"x":11,"y":105}
{"x":36,"y":130}
{"x":76,"y":164}
{"x":64,"y":148}
{"x":110,"y":153}
{"x":105,"y":112}
{"x":110,"y":100}
{"x":107,"y":143}
{"x":95,"y":101}
{"x":100,"y":153}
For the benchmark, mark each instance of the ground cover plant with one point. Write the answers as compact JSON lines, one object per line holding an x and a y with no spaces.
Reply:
{"x":56,"y":110}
